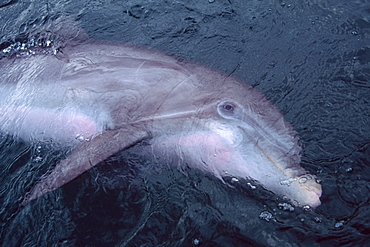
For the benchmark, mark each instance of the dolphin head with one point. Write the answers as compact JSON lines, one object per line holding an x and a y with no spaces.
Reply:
{"x":236,"y":132}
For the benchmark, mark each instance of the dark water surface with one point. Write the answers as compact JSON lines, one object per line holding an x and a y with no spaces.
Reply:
{"x":310,"y":58}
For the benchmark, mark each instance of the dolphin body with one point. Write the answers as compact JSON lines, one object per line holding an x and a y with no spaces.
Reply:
{"x":101,"y":98}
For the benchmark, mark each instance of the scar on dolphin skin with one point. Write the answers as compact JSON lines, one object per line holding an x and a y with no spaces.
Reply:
{"x":120,"y":94}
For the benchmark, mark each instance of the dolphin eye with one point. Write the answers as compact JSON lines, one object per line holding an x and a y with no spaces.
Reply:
{"x":226,"y":109}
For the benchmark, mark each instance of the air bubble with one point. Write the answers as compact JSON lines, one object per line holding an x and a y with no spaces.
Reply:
{"x":339,"y":224}
{"x":286,"y":207}
{"x":287,"y":182}
{"x":302,"y":180}
{"x":80,"y":138}
{"x":196,"y":241}
{"x":252,"y":186}
{"x":266,"y":215}
{"x":37,"y":159}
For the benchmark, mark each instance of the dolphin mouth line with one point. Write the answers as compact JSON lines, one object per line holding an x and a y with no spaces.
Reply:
{"x":273,"y":161}
{"x":276,"y":164}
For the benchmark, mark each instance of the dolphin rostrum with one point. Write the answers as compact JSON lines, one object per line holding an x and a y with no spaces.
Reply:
{"x":101,"y":98}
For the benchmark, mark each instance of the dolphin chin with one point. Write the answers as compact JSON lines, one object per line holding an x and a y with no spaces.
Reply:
{"x":101,"y":98}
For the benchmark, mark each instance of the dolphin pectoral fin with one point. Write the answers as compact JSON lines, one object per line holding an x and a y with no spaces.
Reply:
{"x":84,"y":157}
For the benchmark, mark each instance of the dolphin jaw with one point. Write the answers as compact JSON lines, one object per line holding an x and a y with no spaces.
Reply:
{"x":273,"y":169}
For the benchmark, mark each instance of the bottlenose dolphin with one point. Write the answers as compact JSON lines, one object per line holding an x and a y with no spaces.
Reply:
{"x":100,"y":98}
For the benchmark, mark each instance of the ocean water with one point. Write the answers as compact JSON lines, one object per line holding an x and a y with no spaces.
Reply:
{"x":311,"y":58}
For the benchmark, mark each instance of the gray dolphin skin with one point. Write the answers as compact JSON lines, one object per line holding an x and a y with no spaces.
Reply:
{"x":100,"y":98}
